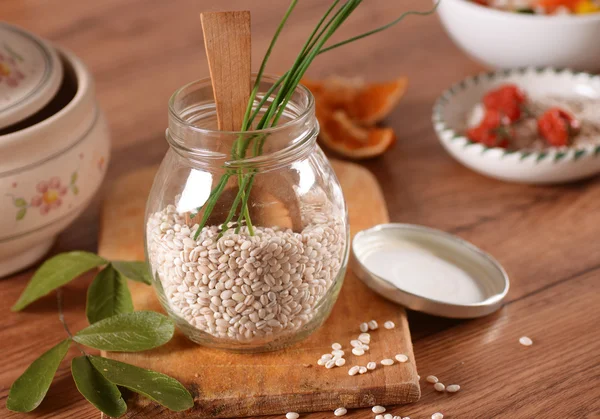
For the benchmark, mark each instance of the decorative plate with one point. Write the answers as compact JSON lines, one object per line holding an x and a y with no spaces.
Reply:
{"x":550,"y":165}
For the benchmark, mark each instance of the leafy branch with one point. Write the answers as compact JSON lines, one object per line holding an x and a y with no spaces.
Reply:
{"x":114,"y":326}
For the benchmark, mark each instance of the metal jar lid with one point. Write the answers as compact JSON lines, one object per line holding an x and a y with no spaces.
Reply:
{"x":429,"y":270}
{"x":30,"y":74}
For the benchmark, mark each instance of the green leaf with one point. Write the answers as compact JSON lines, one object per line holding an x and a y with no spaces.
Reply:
{"x":75,"y":190}
{"x":21,"y":214}
{"x":136,"y":271}
{"x":100,"y":392}
{"x":107,"y":296}
{"x":20,"y":202}
{"x":159,"y":387}
{"x":28,"y":391}
{"x":128,"y":332}
{"x":56,"y":272}
{"x":578,"y":154}
{"x":525,"y":154}
{"x":73,"y":178}
{"x":559,"y":156}
{"x":541,"y":156}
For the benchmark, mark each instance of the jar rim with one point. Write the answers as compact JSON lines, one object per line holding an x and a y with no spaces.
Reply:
{"x":307,"y":111}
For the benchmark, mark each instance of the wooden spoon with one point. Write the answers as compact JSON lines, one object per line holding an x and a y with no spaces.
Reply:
{"x":227,"y":41}
{"x":228,"y":46}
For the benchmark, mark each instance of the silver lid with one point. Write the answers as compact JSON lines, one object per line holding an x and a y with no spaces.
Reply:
{"x":429,"y":270}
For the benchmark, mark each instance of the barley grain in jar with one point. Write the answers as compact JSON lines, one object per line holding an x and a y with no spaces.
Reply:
{"x":248,"y":254}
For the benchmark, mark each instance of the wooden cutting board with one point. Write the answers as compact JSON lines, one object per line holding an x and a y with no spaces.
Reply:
{"x":228,"y":384}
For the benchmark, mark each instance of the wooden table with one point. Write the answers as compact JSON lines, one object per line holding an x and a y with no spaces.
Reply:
{"x":140,"y":51}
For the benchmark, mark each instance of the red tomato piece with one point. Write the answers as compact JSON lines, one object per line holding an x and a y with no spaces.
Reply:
{"x":557,"y":126}
{"x":550,"y":6}
{"x":493,"y":131}
{"x":507,"y":99}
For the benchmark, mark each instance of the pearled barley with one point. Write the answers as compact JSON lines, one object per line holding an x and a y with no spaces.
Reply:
{"x":432,"y":379}
{"x":387,"y":361}
{"x":326,"y":357}
{"x":373,"y":325}
{"x":340,"y":411}
{"x":397,"y":417}
{"x":378,"y":416}
{"x":321,"y":362}
{"x":246,"y":288}
{"x":330,"y":364}
{"x":389,"y":324}
{"x":406,"y":417}
{"x":358,"y":351}
{"x":353,"y":370}
{"x":292,"y":415}
{"x":362,"y":370}
{"x":371,"y":365}
{"x":364,"y":338}
{"x":401,"y":358}
{"x":340,"y":362}
{"x":364,"y":327}
{"x":452,"y":388}
{"x":437,"y":415}
{"x":336,"y":346}
{"x":439,"y":387}
{"x":378,"y":409}
{"x":525,"y":341}
{"x":355,"y":343}
{"x":388,"y":416}
{"x":338,"y":353}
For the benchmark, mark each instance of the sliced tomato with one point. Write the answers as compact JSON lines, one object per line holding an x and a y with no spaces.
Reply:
{"x":507,"y":99}
{"x":493,"y":131}
{"x":557,"y":126}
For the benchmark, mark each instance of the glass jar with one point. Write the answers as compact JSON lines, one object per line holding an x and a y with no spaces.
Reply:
{"x":263,"y":275}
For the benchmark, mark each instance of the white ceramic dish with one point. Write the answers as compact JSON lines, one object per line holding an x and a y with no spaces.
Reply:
{"x":553,"y":165}
{"x":54,"y":168}
{"x":30,"y":74}
{"x":508,"y":40}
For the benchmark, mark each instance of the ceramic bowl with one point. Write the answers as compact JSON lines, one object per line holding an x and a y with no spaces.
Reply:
{"x":57,"y":160}
{"x":552,"y":165}
{"x":508,"y":40}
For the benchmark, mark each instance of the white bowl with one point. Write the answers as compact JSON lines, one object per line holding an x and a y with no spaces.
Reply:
{"x":54,"y":168}
{"x":553,"y":165}
{"x":508,"y":40}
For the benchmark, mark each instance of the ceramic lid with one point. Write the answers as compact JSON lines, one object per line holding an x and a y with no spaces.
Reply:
{"x":429,"y":270}
{"x":30,"y":74}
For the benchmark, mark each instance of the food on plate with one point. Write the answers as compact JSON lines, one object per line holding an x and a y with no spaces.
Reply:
{"x":557,"y":126}
{"x":348,"y":109}
{"x":507,"y":100}
{"x":544,"y":7}
{"x":509,"y":118}
{"x":493,"y":130}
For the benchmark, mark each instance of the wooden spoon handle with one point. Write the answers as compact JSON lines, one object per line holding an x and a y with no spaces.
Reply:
{"x":227,"y":42}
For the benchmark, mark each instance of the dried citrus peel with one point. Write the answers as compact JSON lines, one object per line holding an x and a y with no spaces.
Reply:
{"x":347,"y":109}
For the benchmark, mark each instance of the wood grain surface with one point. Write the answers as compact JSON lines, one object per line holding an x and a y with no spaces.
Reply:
{"x":225,"y":384}
{"x":140,"y":51}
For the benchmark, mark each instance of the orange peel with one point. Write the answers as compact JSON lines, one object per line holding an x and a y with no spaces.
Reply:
{"x":348,"y":109}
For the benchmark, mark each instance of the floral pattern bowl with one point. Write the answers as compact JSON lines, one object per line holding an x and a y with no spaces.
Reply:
{"x":545,"y":166}
{"x":58,"y":159}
